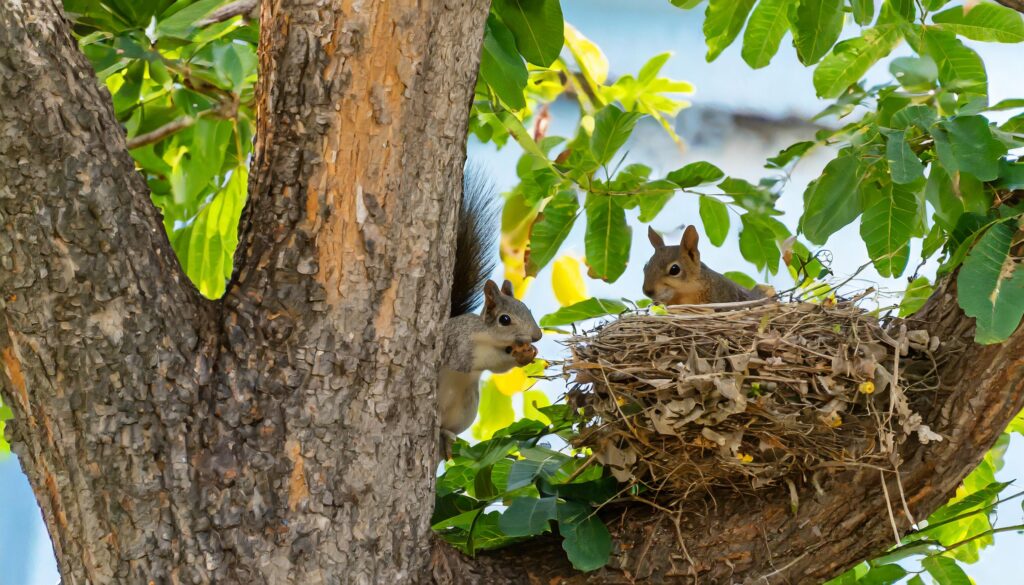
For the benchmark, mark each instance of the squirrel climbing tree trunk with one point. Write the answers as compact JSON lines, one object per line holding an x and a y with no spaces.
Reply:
{"x":285,"y":434}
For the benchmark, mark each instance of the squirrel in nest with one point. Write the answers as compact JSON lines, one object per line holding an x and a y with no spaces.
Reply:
{"x":497,"y":339}
{"x":675,"y":276}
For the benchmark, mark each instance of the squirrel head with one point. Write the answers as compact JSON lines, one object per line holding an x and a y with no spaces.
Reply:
{"x":508,"y":320}
{"x":673,"y":272}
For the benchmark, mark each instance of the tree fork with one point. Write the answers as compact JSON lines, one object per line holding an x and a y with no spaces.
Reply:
{"x":286,"y":432}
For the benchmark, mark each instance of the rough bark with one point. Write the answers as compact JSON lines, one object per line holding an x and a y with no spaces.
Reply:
{"x":758,"y":540}
{"x":285,"y":433}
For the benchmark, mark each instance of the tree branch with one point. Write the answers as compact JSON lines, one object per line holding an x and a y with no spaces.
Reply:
{"x":1017,"y":5}
{"x":730,"y":539}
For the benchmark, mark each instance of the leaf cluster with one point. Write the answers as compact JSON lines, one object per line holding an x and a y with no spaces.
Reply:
{"x":512,"y":487}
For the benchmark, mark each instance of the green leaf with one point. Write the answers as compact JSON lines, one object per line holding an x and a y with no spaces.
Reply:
{"x":695,"y":173}
{"x":768,"y":24}
{"x":983,"y":22}
{"x":915,"y":296}
{"x":991,"y":285}
{"x":501,"y":67}
{"x":181,"y":23}
{"x":831,"y":201}
{"x":921,"y":116}
{"x":537,"y":26}
{"x":207,"y":245}
{"x":525,"y":471}
{"x":757,"y":243}
{"x":528,"y":516}
{"x":887,"y":225}
{"x":903,"y":163}
{"x":915,"y":73}
{"x":965,"y":144}
{"x":960,"y":68}
{"x":939,"y":193}
{"x":816,"y":27}
{"x":486,"y":534}
{"x":863,"y":11}
{"x":653,"y":197}
{"x":945,"y":571}
{"x":852,"y":58}
{"x":607,"y":238}
{"x":596,"y":491}
{"x":612,"y":128}
{"x":550,"y":229}
{"x":495,"y":411}
{"x":582,"y":311}
{"x":1016,"y":425}
{"x":740,"y":278}
{"x":586,"y":540}
{"x":715,"y":216}
{"x":723,"y":21}
{"x":883,"y":575}
{"x":789,"y":154}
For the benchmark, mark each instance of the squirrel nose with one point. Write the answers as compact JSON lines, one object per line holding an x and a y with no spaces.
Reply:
{"x":536,"y":336}
{"x":649,"y":292}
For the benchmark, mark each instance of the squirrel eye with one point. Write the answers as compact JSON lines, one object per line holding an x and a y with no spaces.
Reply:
{"x":674,"y":270}
{"x":505,"y":320}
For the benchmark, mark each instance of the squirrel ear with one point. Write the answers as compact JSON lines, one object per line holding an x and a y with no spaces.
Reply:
{"x":689,"y":243}
{"x":656,"y":240}
{"x":506,"y":288}
{"x":491,"y":293}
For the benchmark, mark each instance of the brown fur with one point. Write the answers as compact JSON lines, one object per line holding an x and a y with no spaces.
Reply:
{"x":694,"y":283}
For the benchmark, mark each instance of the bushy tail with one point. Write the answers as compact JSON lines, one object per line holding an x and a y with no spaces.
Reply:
{"x":475,"y":241}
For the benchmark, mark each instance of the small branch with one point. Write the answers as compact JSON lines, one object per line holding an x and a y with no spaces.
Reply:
{"x":1017,"y":5}
{"x":161,"y":132}
{"x":227,"y":109}
{"x":245,"y":8}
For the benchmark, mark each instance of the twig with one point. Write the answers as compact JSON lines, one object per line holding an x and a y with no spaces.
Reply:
{"x":246,"y":8}
{"x":1017,"y":5}
{"x":162,"y":132}
{"x":888,"y":508}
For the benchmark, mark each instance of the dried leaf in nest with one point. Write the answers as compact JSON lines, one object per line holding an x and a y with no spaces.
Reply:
{"x":741,"y":398}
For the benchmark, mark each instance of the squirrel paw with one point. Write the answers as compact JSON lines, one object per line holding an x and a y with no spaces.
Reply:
{"x":524,"y":353}
{"x":447,"y":439}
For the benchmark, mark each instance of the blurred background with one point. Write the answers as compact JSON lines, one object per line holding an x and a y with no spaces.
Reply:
{"x":739,"y":117}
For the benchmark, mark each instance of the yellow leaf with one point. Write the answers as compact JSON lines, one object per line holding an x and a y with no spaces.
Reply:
{"x":495,"y":411}
{"x":532,"y":401}
{"x":515,"y":271}
{"x":512,"y":382}
{"x":567,"y":281}
{"x":592,"y":62}
{"x":516,"y":219}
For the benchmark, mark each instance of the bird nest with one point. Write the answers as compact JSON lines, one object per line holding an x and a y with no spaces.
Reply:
{"x":742,"y":396}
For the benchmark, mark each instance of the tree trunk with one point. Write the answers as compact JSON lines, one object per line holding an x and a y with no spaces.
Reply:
{"x":286,"y":432}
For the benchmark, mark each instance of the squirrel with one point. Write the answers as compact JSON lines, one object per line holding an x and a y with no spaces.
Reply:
{"x":675,"y":275}
{"x":497,"y":339}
